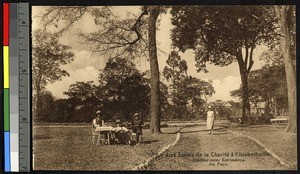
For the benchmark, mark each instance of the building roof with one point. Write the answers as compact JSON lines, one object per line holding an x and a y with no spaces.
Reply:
{"x":227,"y":104}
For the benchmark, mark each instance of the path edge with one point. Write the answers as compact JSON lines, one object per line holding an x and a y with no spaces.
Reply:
{"x":263,"y":146}
{"x":143,"y":166}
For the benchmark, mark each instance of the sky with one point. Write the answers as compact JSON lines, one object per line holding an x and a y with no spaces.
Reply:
{"x":86,"y":65}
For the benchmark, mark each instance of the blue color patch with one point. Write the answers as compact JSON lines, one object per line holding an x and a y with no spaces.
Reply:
{"x":7,"y":167}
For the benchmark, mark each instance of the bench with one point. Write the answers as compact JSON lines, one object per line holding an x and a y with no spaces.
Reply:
{"x":277,"y":121}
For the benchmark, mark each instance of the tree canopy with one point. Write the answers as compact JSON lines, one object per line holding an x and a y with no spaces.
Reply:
{"x":267,"y":84}
{"x":125,"y":90}
{"x":184,"y":89}
{"x":222,"y":35}
{"x":47,"y":57}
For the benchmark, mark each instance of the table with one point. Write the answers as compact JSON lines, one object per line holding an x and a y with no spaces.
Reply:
{"x":107,"y":131}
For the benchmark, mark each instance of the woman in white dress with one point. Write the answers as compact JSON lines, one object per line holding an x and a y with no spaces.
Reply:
{"x":210,"y":119}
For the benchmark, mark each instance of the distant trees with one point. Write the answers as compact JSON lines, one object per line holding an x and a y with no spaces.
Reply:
{"x":184,"y":89}
{"x":121,"y":92}
{"x":46,"y":106}
{"x":47,"y":56}
{"x":175,"y":73}
{"x":82,"y":100}
{"x":124,"y":89}
{"x":268,"y":85}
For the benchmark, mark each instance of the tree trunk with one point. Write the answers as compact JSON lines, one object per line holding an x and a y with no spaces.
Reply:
{"x":37,"y":103}
{"x":155,"y":98}
{"x":282,"y":13}
{"x":245,"y":95}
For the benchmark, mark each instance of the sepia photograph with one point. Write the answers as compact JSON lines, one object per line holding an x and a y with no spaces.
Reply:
{"x":153,"y":87}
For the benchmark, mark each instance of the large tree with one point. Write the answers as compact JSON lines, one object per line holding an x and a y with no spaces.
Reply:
{"x":118,"y":37}
{"x":222,"y":35}
{"x":286,"y":21}
{"x":47,"y":57}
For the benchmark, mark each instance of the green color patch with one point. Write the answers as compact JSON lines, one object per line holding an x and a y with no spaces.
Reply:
{"x":6,"y":109}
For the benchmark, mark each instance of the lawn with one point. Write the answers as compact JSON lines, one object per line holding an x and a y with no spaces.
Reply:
{"x":282,"y":144}
{"x":70,"y":148}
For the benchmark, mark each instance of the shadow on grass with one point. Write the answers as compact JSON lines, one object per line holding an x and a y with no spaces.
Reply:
{"x":202,"y":130}
{"x":169,"y":133}
{"x":219,"y":133}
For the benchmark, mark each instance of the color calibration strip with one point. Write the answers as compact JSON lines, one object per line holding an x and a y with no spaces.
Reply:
{"x":6,"y":108}
{"x":16,"y":87}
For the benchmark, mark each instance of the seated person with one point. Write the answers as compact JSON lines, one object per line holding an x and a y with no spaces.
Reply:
{"x":98,"y":122}
{"x":122,"y":133}
{"x":137,"y":128}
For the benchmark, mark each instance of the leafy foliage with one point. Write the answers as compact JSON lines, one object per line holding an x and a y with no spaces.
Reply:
{"x":267,"y":84}
{"x":125,"y":89}
{"x":46,"y":109}
{"x":224,"y":34}
{"x":184,"y":89}
{"x":47,"y":57}
{"x":83,"y":101}
{"x":217,"y":33}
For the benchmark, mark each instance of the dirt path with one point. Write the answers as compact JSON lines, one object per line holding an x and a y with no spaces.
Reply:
{"x":197,"y":150}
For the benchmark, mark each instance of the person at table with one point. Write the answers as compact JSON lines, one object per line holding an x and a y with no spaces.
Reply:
{"x":137,"y":127}
{"x":98,"y":121}
{"x":122,"y":133}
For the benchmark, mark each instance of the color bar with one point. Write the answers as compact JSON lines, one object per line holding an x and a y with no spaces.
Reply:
{"x":6,"y":66}
{"x":14,"y":86}
{"x":6,"y":109}
{"x":5,"y":24}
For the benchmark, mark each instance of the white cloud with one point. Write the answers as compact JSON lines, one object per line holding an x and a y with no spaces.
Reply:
{"x":84,"y":59}
{"x":88,"y":73}
{"x":224,"y":86}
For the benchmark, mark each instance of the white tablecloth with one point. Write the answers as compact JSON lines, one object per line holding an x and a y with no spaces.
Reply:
{"x":104,"y":128}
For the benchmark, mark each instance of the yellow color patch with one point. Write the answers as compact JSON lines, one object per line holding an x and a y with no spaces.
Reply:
{"x":6,"y":66}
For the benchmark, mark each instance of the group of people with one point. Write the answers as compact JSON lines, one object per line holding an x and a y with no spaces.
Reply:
{"x":135,"y":136}
{"x":121,"y":133}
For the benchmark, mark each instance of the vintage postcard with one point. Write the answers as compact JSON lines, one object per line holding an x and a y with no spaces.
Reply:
{"x":193,"y":87}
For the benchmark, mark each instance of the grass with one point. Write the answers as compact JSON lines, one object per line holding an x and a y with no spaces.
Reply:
{"x":282,"y":144}
{"x":70,"y":148}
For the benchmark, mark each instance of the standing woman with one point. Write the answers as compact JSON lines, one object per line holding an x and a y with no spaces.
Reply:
{"x":210,"y":120}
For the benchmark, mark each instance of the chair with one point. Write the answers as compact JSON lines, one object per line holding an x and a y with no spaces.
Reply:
{"x":97,"y":135}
